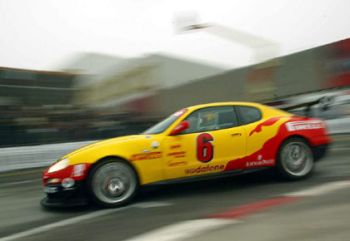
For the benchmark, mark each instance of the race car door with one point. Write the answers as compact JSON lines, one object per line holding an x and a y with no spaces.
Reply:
{"x":211,"y":141}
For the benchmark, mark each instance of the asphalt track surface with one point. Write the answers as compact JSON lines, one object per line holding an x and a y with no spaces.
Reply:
{"x":182,"y":211}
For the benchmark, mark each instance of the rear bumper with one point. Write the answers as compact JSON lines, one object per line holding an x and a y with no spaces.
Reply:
{"x":320,"y":151}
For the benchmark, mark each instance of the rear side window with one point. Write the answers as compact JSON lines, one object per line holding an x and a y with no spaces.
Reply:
{"x":212,"y":118}
{"x":249,"y":114}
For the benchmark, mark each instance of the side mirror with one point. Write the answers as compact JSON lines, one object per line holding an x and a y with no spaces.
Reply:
{"x":184,"y":125}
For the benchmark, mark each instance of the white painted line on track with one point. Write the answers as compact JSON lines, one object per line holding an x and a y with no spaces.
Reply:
{"x":172,"y":232}
{"x":71,"y":221}
{"x":60,"y":224}
{"x":187,"y":229}
{"x":177,"y":231}
{"x":183,"y":230}
{"x":320,"y":190}
{"x":151,"y":204}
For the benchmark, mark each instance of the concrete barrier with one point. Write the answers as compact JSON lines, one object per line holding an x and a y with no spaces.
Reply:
{"x":339,"y":126}
{"x":14,"y":158}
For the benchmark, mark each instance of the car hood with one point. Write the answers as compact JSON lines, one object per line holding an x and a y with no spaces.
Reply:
{"x":110,"y":141}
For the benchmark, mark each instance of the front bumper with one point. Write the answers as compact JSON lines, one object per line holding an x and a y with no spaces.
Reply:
{"x":57,"y":196}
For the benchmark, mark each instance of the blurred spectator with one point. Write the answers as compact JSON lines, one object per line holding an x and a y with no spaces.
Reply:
{"x":39,"y":125}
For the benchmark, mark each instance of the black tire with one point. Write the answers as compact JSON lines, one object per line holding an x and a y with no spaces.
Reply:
{"x":295,"y":159}
{"x":112,"y":183}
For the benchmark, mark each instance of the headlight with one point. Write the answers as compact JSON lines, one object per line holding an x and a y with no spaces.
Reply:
{"x":59,"y":166}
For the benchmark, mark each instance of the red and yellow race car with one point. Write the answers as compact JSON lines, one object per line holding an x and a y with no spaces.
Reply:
{"x":202,"y":140}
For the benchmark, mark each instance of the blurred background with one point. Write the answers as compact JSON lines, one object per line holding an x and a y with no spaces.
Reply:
{"x":76,"y":71}
{"x":87,"y":70}
{"x":96,"y":96}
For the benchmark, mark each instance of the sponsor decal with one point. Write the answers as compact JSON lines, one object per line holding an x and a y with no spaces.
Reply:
{"x":146,"y":156}
{"x":175,"y":146}
{"x":176,"y":163}
{"x":259,"y":163}
{"x":205,"y":169}
{"x":155,"y":144}
{"x":304,"y":125}
{"x":268,"y":122}
{"x":177,"y":154}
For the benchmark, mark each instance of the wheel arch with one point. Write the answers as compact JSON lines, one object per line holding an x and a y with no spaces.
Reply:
{"x":117,"y":158}
{"x":280,"y":170}
{"x":290,"y":137}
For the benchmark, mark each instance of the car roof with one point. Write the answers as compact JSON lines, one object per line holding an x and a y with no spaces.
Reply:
{"x":194,"y":107}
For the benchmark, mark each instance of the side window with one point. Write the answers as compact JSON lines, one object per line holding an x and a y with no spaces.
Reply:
{"x":212,"y":118}
{"x":249,"y":114}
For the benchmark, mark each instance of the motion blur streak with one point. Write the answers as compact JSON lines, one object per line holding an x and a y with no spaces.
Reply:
{"x":252,"y":208}
{"x":60,"y":224}
{"x":328,"y":210}
{"x":323,"y":189}
{"x":133,"y":70}
{"x":182,"y":230}
{"x":41,"y":107}
{"x":81,"y":218}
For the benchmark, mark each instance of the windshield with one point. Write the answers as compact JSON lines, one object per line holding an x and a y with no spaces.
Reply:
{"x":164,"y":124}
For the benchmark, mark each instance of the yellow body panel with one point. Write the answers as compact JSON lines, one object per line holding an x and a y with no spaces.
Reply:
{"x":160,"y":157}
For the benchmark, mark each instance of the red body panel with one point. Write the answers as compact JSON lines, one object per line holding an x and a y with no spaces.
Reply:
{"x":311,"y":129}
{"x":64,"y":173}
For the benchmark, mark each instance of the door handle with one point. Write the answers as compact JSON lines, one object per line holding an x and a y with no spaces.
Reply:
{"x":236,"y":134}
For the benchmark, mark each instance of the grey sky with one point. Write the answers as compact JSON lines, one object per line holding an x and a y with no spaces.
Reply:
{"x":42,"y":34}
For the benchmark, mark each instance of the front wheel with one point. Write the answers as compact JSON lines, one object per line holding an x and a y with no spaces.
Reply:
{"x":112,"y":183}
{"x":295,"y":159}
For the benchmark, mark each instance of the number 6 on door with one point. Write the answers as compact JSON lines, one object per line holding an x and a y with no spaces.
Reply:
{"x":205,"y":149}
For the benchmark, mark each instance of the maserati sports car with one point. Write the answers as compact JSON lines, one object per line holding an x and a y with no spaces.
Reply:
{"x":194,"y":142}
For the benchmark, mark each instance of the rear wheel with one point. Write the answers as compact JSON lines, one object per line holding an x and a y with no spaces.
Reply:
{"x":295,"y":159}
{"x":112,"y":183}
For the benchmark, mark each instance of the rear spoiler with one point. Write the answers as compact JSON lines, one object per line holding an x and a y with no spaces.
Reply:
{"x":324,"y":104}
